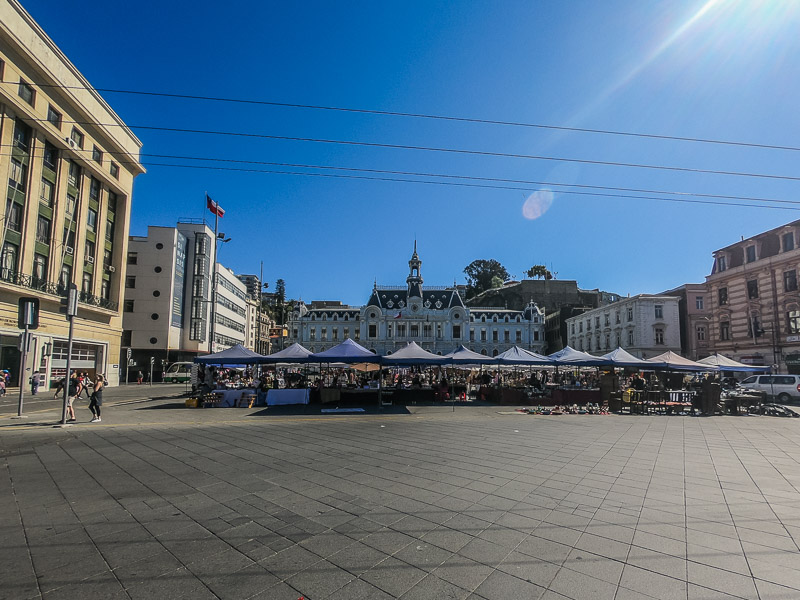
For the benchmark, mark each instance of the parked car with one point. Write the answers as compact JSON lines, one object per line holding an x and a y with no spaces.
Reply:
{"x":178,"y":372}
{"x":784,"y":388}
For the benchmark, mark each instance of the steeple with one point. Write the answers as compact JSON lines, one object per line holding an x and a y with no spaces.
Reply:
{"x":414,"y":279}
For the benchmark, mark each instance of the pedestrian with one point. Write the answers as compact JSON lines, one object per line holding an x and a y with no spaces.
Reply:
{"x":2,"y":386}
{"x":73,"y":391}
{"x":59,"y":387}
{"x":139,"y":377}
{"x":85,"y":383}
{"x":97,"y":399}
{"x":35,"y":383}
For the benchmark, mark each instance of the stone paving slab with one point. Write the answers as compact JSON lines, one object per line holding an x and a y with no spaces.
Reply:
{"x":158,"y":501}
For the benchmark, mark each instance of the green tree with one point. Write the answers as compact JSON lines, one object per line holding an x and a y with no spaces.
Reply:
{"x":483,"y":275}
{"x":539,"y":272}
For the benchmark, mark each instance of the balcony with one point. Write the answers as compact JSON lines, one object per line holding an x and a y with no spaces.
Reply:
{"x":41,"y":285}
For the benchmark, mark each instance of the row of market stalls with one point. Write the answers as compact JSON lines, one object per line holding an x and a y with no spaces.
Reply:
{"x":350,"y":352}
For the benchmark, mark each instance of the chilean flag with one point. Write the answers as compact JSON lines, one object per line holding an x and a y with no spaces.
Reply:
{"x":400,"y":314}
{"x":214,"y":207}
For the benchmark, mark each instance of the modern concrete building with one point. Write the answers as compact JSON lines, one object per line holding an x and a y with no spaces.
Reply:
{"x":434,"y":317}
{"x":754,"y":299}
{"x":169,"y":291}
{"x":70,"y":163}
{"x":253,"y":285}
{"x":644,"y":325}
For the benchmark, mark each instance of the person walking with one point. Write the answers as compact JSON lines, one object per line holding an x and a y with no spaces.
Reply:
{"x":85,"y":383}
{"x":73,"y":391}
{"x":97,"y":399}
{"x":35,"y":383}
{"x":139,"y":377}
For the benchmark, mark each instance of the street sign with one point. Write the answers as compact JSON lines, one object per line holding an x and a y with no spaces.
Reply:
{"x":28,"y":315}
{"x":152,"y":361}
{"x":69,"y":305}
{"x":129,"y":353}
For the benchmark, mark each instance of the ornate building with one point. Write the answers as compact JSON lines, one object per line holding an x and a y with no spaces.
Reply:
{"x":436,"y":318}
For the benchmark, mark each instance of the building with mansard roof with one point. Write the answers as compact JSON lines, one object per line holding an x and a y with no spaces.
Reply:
{"x":436,"y":318}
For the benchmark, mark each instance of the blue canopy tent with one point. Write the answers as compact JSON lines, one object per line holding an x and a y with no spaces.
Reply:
{"x":621,"y":358}
{"x":465,"y":356}
{"x":346,"y":352}
{"x":412,"y":354}
{"x":236,"y":355}
{"x":569,"y":357}
{"x":293,"y":354}
{"x":519,"y":356}
{"x":723,"y":363}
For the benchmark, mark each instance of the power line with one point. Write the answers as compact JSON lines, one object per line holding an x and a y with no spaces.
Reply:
{"x":435,"y":117}
{"x":439,"y":149}
{"x":473,"y":185}
{"x":442,"y":175}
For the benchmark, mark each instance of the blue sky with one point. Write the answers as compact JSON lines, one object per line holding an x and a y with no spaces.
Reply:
{"x":724,"y":69}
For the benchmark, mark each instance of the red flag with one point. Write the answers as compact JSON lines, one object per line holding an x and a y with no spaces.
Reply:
{"x":214,"y":207}
{"x":399,"y":315}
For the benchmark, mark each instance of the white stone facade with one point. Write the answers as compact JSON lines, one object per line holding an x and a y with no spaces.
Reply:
{"x":644,"y":325}
{"x":433,"y":317}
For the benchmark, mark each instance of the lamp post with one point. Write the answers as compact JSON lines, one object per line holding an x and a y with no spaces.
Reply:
{"x":219,"y":239}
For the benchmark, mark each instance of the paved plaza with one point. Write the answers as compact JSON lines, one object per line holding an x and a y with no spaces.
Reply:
{"x":159,"y":501}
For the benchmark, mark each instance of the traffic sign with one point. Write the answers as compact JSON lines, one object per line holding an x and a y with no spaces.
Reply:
{"x":28,"y":314}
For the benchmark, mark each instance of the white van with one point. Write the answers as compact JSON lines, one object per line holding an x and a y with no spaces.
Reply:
{"x":784,"y":388}
{"x":178,"y":372}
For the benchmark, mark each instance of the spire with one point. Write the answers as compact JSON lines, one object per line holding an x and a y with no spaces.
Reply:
{"x":414,"y":279}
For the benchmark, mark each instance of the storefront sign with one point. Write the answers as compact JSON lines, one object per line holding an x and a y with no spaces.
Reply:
{"x":793,"y":338}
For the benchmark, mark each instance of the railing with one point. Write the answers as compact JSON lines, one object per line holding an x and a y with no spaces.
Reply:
{"x":55,"y":289}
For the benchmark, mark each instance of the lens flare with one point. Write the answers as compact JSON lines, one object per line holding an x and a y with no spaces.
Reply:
{"x":537,"y":204}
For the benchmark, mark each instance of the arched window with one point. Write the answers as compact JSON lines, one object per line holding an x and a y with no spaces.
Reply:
{"x":495,"y":352}
{"x":483,"y":351}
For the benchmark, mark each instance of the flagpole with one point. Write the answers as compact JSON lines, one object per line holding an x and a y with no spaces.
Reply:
{"x":213,"y":279}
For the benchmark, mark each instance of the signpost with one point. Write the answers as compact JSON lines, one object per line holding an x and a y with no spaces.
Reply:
{"x":152,"y":362}
{"x":69,"y":306}
{"x":27,"y":319}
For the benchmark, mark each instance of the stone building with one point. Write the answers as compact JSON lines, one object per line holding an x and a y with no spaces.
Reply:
{"x":644,"y":325}
{"x":70,"y":162}
{"x":434,"y":317}
{"x":754,"y":299}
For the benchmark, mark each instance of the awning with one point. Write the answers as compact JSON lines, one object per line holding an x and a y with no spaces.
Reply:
{"x":465,"y":356}
{"x":728,"y":364}
{"x":237,"y":355}
{"x":346,"y":352}
{"x":570,"y":357}
{"x":675,"y":362}
{"x":412,"y":354}
{"x":622,"y":358}
{"x":520,"y":356}
{"x":293,"y":354}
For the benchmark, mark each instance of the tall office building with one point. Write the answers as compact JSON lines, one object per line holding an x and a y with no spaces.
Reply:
{"x":71,"y":162}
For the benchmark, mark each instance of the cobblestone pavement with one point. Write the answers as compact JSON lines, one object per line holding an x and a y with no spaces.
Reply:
{"x":159,"y":501}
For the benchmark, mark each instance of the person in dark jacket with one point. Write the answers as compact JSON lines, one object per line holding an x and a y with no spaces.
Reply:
{"x":97,"y":398}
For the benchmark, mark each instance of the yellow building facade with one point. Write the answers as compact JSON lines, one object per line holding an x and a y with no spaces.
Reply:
{"x":70,"y":163}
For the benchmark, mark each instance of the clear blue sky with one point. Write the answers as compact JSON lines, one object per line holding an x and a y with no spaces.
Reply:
{"x":725,"y":69}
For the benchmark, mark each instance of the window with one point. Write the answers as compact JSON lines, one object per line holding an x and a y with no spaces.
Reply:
{"x":597,"y":321}
{"x":69,"y":238}
{"x":65,"y":278}
{"x":26,"y":92}
{"x":630,"y":338}
{"x":335,"y":334}
{"x":127,"y":336}
{"x":8,"y":259}
{"x":130,"y":282}
{"x":389,"y":330}
{"x":518,"y":336}
{"x":793,"y":321}
{"x":788,"y":241}
{"x":588,"y":324}
{"x":54,"y":117}
{"x":106,"y":258}
{"x":698,"y":302}
{"x":112,"y":207}
{"x":114,"y":170}
{"x":373,"y":331}
{"x":13,"y":216}
{"x":472,"y":335}
{"x":401,"y":331}
{"x":701,"y":333}
{"x":724,"y":330}
{"x":619,"y":320}
{"x":77,"y":138}
{"x":659,"y":310}
{"x":109,"y":230}
{"x":723,"y":296}
{"x":86,"y":285}
{"x":608,"y":341}
{"x":580,"y":326}
{"x":133,"y":258}
{"x":47,"y":193}
{"x":754,"y":325}
{"x":22,"y":136}
{"x":456,"y":332}
{"x":750,"y":254}
{"x":17,"y":175}
{"x":74,"y":174}
{"x":506,"y":336}
{"x":312,"y":334}
{"x":630,"y":313}
{"x":43,"y":230}
{"x":127,"y":306}
{"x":88,"y":250}
{"x":94,"y":189}
{"x":790,"y":281}
{"x":572,"y":328}
{"x":97,"y":155}
{"x":494,"y":335}
{"x":414,"y":328}
{"x":752,"y":289}
{"x":608,"y":319}
{"x":91,"y":220}
{"x":722,"y":263}
{"x":483,"y":334}
{"x":40,"y":267}
{"x":50,"y":156}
